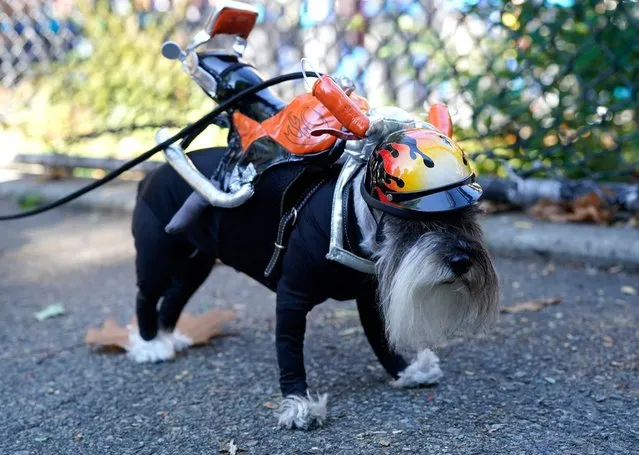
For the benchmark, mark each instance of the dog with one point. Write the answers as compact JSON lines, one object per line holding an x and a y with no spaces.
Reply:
{"x":420,"y":294}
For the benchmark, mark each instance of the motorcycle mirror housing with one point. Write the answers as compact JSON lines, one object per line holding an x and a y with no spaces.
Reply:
{"x":232,"y":18}
{"x":172,"y":51}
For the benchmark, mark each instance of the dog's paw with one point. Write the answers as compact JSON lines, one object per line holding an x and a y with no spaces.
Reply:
{"x":424,"y":370}
{"x":302,"y":413}
{"x":180,"y":341}
{"x":158,"y":349}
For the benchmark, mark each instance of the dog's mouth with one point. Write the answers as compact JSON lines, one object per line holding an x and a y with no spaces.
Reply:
{"x":456,"y":280}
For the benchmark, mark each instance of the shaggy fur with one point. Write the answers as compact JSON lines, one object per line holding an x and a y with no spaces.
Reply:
{"x":423,"y":301}
{"x":161,"y":348}
{"x":423,"y":371}
{"x":302,"y":413}
{"x":158,"y":349}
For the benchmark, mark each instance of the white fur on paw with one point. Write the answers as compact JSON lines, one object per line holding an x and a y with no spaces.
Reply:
{"x":158,"y":349}
{"x":422,"y":371}
{"x":302,"y":413}
{"x":180,"y":341}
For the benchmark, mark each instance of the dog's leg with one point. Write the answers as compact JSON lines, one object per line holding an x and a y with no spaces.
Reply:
{"x":298,"y":409}
{"x":188,"y":279}
{"x":424,"y":370}
{"x":157,"y":256}
{"x":146,"y":344}
{"x":372,"y":321}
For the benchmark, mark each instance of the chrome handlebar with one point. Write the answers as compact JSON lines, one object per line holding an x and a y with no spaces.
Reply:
{"x":178,"y":160}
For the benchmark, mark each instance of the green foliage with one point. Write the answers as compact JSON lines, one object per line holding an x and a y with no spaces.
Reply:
{"x":539,"y":85}
{"x":123,"y":82}
{"x":30,"y":201}
{"x":563,"y":87}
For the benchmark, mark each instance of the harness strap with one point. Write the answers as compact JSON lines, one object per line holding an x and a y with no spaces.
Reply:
{"x":287,"y":221}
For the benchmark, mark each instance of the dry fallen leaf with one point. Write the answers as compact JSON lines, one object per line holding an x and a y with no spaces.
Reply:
{"x":231,"y":448}
{"x":490,"y":207}
{"x":344,"y":314}
{"x":550,"y":268}
{"x":50,"y":311}
{"x":615,"y":269}
{"x":351,"y":331}
{"x":205,"y":326}
{"x":199,"y":328}
{"x":271,"y":405}
{"x":589,"y":207}
{"x":110,"y":336}
{"x":532,"y":305}
{"x":523,"y":224}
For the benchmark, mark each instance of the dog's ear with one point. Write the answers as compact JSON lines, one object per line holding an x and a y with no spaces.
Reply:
{"x":439,"y":116}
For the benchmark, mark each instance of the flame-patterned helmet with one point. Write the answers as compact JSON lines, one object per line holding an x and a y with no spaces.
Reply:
{"x":419,"y":172}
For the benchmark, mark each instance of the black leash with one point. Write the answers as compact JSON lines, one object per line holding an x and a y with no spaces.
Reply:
{"x":198,"y":126}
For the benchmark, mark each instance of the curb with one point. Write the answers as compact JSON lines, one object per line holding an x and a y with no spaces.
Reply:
{"x":116,"y":196}
{"x":505,"y":234}
{"x":522,"y":236}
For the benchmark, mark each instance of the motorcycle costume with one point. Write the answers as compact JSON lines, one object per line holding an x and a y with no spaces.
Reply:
{"x":304,"y":279}
{"x":281,"y":205}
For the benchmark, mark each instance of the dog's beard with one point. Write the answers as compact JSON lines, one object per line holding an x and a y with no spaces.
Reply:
{"x":424,"y":303}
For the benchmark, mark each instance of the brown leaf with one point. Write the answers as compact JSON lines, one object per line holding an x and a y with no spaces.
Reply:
{"x":206,"y":326}
{"x":490,"y":207}
{"x":590,"y":207}
{"x":111,"y":335}
{"x":199,"y":328}
{"x":532,"y":305}
{"x":523,"y":225}
{"x":615,"y":269}
{"x":271,"y":405}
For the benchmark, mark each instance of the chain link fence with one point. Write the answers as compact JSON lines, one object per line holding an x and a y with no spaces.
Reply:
{"x":536,"y":87}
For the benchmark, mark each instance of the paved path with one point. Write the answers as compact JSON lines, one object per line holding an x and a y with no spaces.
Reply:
{"x":564,"y":380}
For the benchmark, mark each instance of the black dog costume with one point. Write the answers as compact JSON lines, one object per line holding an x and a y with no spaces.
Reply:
{"x":172,"y":267}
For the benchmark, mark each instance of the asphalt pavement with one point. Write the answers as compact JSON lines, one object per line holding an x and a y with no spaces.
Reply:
{"x":562,"y":380}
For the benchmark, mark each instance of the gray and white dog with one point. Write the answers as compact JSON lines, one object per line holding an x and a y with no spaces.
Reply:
{"x":432,"y":278}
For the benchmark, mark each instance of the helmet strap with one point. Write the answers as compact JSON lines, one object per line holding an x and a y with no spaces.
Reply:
{"x":379,"y":232}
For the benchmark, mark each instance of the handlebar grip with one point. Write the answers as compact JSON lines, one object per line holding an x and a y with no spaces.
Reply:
{"x":439,"y":116}
{"x":341,"y":105}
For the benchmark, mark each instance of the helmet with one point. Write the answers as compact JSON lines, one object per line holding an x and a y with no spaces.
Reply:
{"x":415,"y":173}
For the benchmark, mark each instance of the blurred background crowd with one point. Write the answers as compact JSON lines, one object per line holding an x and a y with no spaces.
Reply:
{"x":536,"y":87}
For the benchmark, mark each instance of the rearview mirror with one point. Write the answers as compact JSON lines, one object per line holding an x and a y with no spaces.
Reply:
{"x":232,"y":18}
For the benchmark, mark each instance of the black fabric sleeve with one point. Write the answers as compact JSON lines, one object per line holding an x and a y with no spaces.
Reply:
{"x":289,"y":333}
{"x":373,"y":323}
{"x":298,"y":291}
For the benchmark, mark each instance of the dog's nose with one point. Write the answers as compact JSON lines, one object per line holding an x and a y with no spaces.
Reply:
{"x":459,"y":263}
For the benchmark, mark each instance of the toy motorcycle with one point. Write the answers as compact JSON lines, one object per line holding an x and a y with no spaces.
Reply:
{"x":331,"y":126}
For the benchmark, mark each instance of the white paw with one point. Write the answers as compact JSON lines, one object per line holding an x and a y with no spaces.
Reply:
{"x":180,"y":341}
{"x":158,"y":349}
{"x":423,"y":370}
{"x":302,"y":413}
